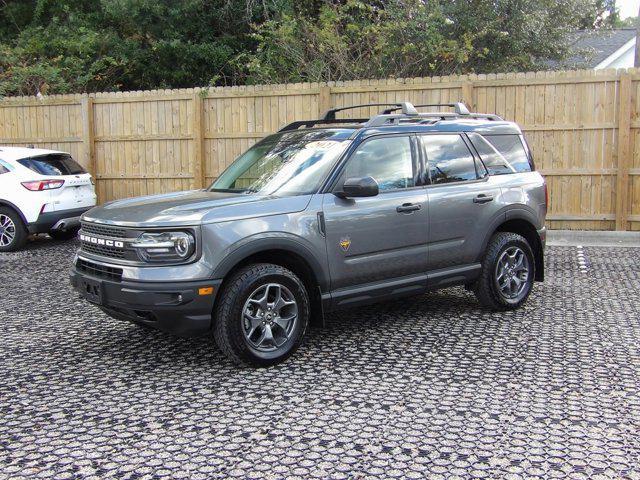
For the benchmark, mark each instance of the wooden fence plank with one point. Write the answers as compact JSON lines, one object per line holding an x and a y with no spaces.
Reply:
{"x":624,"y":122}
{"x":88,"y":135}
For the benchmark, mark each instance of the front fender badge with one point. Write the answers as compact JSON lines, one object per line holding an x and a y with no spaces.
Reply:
{"x":345,"y":243}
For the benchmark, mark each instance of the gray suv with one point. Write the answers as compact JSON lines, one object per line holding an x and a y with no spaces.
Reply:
{"x":322,"y":215}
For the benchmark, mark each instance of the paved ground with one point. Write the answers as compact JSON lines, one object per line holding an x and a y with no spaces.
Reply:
{"x":429,"y":386}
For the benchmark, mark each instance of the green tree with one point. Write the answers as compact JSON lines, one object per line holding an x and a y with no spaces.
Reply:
{"x":62,"y":46}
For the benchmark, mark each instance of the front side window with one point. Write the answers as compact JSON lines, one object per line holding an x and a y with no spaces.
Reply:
{"x":449,"y":159}
{"x":288,"y":163}
{"x":53,"y":164}
{"x":387,"y":159}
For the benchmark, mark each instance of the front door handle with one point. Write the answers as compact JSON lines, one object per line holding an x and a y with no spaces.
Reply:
{"x":482,"y":198}
{"x":408,"y":207}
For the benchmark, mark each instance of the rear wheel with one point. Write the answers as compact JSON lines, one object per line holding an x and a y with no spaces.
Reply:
{"x":64,"y":234}
{"x":262,"y":315}
{"x":508,"y":270}
{"x":13,"y":232}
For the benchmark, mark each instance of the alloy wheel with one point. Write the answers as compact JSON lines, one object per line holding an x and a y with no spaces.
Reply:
{"x":269,"y":317}
{"x":512,"y":272}
{"x":7,"y":230}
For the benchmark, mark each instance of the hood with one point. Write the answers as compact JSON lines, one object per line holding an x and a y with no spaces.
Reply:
{"x":192,"y":208}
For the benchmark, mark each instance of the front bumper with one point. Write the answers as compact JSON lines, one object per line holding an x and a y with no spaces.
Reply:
{"x":59,"y":220}
{"x":175,"y":307}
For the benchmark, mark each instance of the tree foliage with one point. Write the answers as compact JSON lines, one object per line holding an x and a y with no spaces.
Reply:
{"x":58,"y":46}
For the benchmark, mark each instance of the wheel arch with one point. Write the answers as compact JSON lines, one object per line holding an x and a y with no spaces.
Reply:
{"x":288,"y":253}
{"x":7,"y":203}
{"x":521,"y":223}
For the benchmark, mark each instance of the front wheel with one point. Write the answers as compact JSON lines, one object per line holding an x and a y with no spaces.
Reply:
{"x":508,"y":270}
{"x":261,"y":315}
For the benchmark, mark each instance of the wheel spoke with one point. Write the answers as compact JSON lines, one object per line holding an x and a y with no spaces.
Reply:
{"x":283,"y":323}
{"x":254,"y":323}
{"x":277,"y":296}
{"x":262,"y":300}
{"x":267,"y":336}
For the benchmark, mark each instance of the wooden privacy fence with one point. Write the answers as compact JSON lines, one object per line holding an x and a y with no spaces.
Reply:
{"x":583,"y":127}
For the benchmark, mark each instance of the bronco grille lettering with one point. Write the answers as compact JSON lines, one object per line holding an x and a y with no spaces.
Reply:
{"x":102,"y":241}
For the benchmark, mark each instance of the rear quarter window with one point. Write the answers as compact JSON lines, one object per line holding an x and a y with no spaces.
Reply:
{"x":512,"y":149}
{"x":4,"y":167}
{"x":52,"y":164}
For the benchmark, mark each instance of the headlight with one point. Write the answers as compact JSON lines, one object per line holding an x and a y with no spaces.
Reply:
{"x":165,"y":246}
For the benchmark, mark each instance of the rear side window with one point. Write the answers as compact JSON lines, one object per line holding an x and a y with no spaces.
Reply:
{"x":4,"y":167}
{"x":449,"y":159}
{"x":512,"y":149}
{"x":494,"y":161}
{"x":52,"y":164}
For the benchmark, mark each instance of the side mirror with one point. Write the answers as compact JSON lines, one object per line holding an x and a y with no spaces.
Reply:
{"x":359,"y":187}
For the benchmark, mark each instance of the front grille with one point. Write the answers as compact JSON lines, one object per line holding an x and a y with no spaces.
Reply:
{"x":100,"y":271}
{"x":103,"y":230}
{"x":106,"y":233}
{"x":103,"y":250}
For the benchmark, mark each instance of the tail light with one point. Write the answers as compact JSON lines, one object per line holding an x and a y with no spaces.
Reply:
{"x":38,"y":185}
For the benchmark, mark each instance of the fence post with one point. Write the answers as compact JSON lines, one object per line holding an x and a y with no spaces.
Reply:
{"x":197,"y":162}
{"x":624,"y":139}
{"x":324,"y":99}
{"x":467,"y":95}
{"x":88,"y":135}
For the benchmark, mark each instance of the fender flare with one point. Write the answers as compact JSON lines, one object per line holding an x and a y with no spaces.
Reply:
{"x":517,"y":212}
{"x":284,"y":242}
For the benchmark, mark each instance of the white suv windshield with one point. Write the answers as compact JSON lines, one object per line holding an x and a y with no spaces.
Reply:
{"x":289,"y":163}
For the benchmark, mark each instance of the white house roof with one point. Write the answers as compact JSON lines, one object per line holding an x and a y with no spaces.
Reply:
{"x":596,"y":48}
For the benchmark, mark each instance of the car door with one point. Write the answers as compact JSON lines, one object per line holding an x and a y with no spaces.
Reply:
{"x":374,"y":239}
{"x":463,"y":200}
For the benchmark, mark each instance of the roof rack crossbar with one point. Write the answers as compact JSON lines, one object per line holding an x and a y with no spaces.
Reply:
{"x":406,"y":107}
{"x":458,"y":107}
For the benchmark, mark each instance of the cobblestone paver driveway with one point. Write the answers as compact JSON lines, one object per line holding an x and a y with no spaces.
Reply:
{"x":430,"y":386}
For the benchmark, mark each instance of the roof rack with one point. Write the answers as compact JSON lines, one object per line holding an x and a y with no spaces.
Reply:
{"x":408,"y":114}
{"x":406,"y":107}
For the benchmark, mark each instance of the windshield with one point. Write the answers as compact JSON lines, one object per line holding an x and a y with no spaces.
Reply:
{"x":289,"y":163}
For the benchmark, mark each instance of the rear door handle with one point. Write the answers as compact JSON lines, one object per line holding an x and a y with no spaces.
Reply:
{"x":482,"y":198}
{"x":408,"y":207}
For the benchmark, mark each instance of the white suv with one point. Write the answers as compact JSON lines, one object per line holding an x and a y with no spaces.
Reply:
{"x":41,"y":191}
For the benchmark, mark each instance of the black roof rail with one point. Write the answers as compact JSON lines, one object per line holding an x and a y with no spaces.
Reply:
{"x":321,"y":121}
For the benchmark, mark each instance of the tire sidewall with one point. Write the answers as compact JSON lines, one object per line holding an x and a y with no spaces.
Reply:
{"x":235,"y":321}
{"x":524,"y":246}
{"x":21,"y":234}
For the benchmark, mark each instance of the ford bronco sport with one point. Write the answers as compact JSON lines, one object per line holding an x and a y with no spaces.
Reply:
{"x":324,"y":214}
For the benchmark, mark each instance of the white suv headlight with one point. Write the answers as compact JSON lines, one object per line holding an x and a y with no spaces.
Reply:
{"x":164,"y":246}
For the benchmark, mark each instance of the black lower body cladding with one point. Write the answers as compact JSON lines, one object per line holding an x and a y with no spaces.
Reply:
{"x":180,"y":308}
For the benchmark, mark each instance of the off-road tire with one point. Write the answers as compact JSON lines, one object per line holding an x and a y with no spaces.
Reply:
{"x":486,"y":288}
{"x":64,"y":234}
{"x":228,"y":314}
{"x":20,"y":235}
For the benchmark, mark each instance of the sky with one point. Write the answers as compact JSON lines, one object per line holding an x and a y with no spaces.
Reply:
{"x":628,"y":8}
